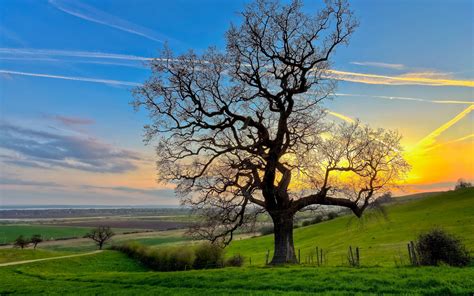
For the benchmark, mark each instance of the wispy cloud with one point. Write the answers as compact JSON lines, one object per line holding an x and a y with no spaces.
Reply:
{"x":340,"y":116}
{"x":70,"y":121}
{"x":41,"y":149}
{"x":157,"y":192}
{"x":405,"y":79}
{"x":444,"y":101}
{"x":380,"y":65}
{"x":21,"y":182}
{"x":74,"y":78}
{"x":430,"y":139}
{"x":89,"y":13}
{"x":70,"y":53}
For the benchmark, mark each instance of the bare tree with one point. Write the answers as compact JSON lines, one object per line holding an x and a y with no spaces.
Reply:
{"x":21,"y":242}
{"x":36,"y":239}
{"x":243,"y":131}
{"x":100,"y":235}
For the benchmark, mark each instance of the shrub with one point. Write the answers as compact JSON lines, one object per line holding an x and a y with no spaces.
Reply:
{"x":332,"y":215}
{"x":437,"y":246}
{"x":266,"y":230}
{"x":21,"y":242}
{"x":236,"y":260}
{"x":173,"y":258}
{"x":36,"y":239}
{"x":208,"y":256}
{"x":315,"y":220}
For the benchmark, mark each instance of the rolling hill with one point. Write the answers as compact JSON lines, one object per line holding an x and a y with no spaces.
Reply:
{"x":382,"y":239}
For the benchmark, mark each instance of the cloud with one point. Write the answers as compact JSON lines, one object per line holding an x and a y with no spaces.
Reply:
{"x":167,"y":193}
{"x":19,"y":182}
{"x":445,"y":101}
{"x":340,"y":116}
{"x":85,"y":79}
{"x":380,"y":65}
{"x":405,"y":79}
{"x":70,"y":53}
{"x":71,"y":121}
{"x":46,"y":150}
{"x":430,"y":139}
{"x":89,"y":13}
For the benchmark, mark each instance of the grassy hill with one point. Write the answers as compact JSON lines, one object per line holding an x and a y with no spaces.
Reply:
{"x":112,"y":273}
{"x":382,"y":240}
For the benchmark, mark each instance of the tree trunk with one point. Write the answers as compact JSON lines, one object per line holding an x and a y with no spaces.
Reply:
{"x":284,"y":251}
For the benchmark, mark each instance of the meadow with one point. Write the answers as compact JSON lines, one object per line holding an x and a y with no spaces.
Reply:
{"x":113,"y":273}
{"x":8,"y":233}
{"x":382,"y":240}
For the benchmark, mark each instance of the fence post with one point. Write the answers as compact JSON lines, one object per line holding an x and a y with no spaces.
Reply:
{"x":268,"y":255}
{"x":358,"y":256}
{"x":409,"y":253}
{"x":299,"y":256}
{"x":321,"y":256}
{"x":415,"y":259}
{"x":317,"y":255}
{"x":250,"y":260}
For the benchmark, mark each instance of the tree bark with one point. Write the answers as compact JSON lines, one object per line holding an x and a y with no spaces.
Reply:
{"x":284,"y":251}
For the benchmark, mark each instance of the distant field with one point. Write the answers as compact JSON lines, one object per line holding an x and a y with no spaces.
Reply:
{"x":8,"y":233}
{"x":381,"y":240}
{"x":113,"y":273}
{"x":129,"y":223}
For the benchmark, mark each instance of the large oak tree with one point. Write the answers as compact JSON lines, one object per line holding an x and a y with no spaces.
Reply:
{"x":243,"y":131}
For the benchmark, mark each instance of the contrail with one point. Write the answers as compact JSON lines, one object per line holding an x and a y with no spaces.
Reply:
{"x":447,"y":101}
{"x":380,"y":65}
{"x":92,"y":14}
{"x":394,"y":80}
{"x":72,"y":53}
{"x":427,"y":141}
{"x":86,"y":79}
{"x":340,"y":116}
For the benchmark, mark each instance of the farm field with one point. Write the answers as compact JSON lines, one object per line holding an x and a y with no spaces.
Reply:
{"x":113,"y":273}
{"x":8,"y":233}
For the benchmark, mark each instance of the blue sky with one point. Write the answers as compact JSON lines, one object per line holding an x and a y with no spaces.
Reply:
{"x":67,"y":67}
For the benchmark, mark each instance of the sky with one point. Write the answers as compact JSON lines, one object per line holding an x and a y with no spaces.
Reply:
{"x":68,"y":135}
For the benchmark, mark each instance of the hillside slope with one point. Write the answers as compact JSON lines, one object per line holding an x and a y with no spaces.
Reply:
{"x":382,"y":241}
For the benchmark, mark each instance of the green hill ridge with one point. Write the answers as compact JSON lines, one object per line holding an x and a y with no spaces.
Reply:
{"x":382,"y":240}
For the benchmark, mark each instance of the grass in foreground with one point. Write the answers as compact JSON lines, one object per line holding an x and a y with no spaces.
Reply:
{"x":381,"y":241}
{"x":113,"y":273}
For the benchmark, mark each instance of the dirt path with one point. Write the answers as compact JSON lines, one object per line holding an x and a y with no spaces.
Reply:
{"x":50,"y":258}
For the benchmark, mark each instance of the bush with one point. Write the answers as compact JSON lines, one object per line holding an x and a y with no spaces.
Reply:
{"x":266,"y":230}
{"x":174,"y":258}
{"x":236,"y":260}
{"x":437,"y":246}
{"x":315,"y":220}
{"x":208,"y":256}
{"x":332,"y":215}
{"x":21,"y":242}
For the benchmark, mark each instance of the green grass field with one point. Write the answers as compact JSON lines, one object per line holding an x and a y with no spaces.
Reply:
{"x":8,"y":233}
{"x":113,"y":273}
{"x":13,"y":255}
{"x":382,"y":241}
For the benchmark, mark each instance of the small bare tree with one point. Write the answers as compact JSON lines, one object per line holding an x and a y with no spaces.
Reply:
{"x":36,"y":239}
{"x":21,"y":242}
{"x":100,"y":235}
{"x":243,"y":131}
